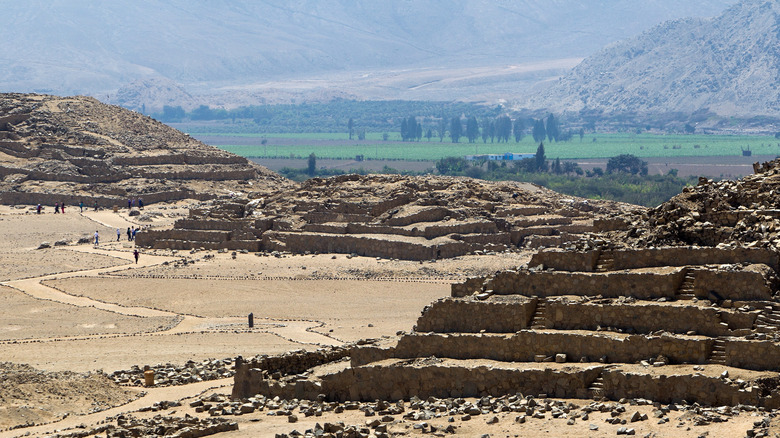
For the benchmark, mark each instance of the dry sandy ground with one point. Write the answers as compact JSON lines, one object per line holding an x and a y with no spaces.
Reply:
{"x":81,"y":308}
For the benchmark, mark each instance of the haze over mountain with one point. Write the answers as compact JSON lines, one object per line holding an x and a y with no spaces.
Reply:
{"x":728,"y":65}
{"x":244,"y":51}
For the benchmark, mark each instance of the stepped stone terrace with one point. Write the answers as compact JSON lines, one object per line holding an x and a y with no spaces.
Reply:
{"x":665,"y":324}
{"x":412,"y":218}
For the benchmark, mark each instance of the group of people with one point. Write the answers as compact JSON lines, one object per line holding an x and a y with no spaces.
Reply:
{"x":130,"y":233}
{"x":60,"y":207}
{"x":132,"y":202}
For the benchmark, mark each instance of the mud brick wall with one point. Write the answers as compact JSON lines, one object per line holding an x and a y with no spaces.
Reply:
{"x":449,"y":315}
{"x":33,"y":198}
{"x":525,"y":345}
{"x":177,"y":159}
{"x":316,"y":217}
{"x":147,"y":238}
{"x":210,"y":225}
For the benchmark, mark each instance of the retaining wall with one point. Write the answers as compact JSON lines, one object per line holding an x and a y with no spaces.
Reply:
{"x":450,"y":315}
{"x":654,"y":257}
{"x":748,"y":284}
{"x":525,"y":345}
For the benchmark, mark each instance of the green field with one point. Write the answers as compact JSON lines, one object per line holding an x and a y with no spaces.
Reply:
{"x":336,"y":145}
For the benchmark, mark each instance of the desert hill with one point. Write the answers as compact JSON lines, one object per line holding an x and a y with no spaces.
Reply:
{"x":79,"y":47}
{"x":73,"y":149}
{"x":728,"y":65}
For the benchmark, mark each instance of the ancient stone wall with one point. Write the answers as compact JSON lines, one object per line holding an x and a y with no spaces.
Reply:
{"x":393,"y":381}
{"x":449,"y":315}
{"x":653,"y":257}
{"x":526,"y":345}
{"x":728,"y":285}
{"x":249,"y":374}
{"x":32,"y":198}
{"x":366,"y":245}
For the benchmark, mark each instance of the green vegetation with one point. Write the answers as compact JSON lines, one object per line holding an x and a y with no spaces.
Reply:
{"x":592,"y":146}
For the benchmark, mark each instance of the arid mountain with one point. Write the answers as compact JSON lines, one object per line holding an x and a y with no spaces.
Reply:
{"x":74,"y":149}
{"x":398,"y":49}
{"x":729,"y":65}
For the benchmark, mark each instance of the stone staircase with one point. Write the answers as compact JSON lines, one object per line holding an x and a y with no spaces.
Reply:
{"x":596,"y":388}
{"x":539,"y":319}
{"x":686,"y":290}
{"x":718,"y":352}
{"x":606,"y":262}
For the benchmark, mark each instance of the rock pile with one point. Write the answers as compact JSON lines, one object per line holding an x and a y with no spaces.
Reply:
{"x":742,"y":213}
{"x":178,"y":427}
{"x":412,"y":218}
{"x":76,"y":149}
{"x":171,"y":375}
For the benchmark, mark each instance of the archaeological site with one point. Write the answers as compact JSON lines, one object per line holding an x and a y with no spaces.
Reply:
{"x":366,"y":306}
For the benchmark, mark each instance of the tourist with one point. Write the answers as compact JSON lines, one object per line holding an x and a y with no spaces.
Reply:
{"x":135,"y":254}
{"x":81,"y":206}
{"x":96,"y":206}
{"x":129,"y":204}
{"x":118,"y":233}
{"x":97,"y":238}
{"x":56,"y":207}
{"x":135,"y":230}
{"x":128,"y":234}
{"x":39,"y":208}
{"x":62,"y":208}
{"x":140,"y":203}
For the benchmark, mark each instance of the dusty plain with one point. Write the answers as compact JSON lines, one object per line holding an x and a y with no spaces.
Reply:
{"x":84,"y":308}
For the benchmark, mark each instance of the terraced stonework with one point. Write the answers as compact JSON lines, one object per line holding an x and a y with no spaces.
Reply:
{"x":701,"y":326}
{"x":411,"y":218}
{"x":76,"y":149}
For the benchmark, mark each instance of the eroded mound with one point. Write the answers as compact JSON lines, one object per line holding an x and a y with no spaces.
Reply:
{"x":73,"y":149}
{"x":29,"y":396}
{"x":412,"y":218}
{"x":743,"y":213}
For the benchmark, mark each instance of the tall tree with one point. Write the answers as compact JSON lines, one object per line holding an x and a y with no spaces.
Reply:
{"x":503,"y":128}
{"x":485,"y":129}
{"x":540,"y":159}
{"x":518,"y":129}
{"x":539,"y":133}
{"x":404,"y":130}
{"x":429,"y":134}
{"x":472,"y":129}
{"x":350,"y":127}
{"x":456,"y":129}
{"x":442,"y":128}
{"x":553,"y":130}
{"x":312,"y":164}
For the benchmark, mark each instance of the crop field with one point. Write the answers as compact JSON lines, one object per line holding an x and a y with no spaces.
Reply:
{"x":338,"y":146}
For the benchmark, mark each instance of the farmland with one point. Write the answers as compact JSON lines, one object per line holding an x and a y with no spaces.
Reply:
{"x":591,"y":146}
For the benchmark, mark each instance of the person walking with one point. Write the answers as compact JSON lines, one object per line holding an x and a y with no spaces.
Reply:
{"x":97,"y":238}
{"x":96,"y":206}
{"x":135,"y":230}
{"x":62,"y":208}
{"x":56,"y":207}
{"x":81,"y":206}
{"x":135,"y":254}
{"x":118,"y":233}
{"x":128,"y":234}
{"x":39,"y":208}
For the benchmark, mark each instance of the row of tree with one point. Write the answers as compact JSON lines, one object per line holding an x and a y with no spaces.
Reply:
{"x":501,"y":128}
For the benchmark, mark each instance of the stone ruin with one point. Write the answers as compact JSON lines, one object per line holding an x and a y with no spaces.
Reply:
{"x":73,"y":149}
{"x":412,"y":218}
{"x":671,"y":324}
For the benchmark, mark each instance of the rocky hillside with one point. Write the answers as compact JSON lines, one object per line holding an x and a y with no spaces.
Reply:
{"x":71,"y":47}
{"x":72,"y":149}
{"x":728,"y":65}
